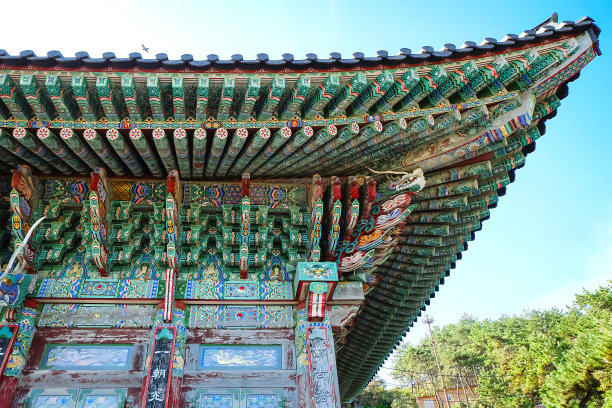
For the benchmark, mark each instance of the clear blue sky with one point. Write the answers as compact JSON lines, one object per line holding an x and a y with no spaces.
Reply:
{"x":550,"y":236}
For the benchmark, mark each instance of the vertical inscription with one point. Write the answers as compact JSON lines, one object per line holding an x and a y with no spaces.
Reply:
{"x":320,"y":369}
{"x":160,"y":370}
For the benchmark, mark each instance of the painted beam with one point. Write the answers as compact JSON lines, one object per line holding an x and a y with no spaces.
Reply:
{"x":400,"y":88}
{"x":106,"y":96}
{"x":155,"y":98}
{"x":181,"y":147}
{"x":24,"y":137}
{"x":13,"y":98}
{"x":103,"y":150}
{"x":348,"y":93}
{"x":9,"y":143}
{"x":54,"y":144}
{"x":162,"y":145}
{"x":320,"y":138}
{"x":372,"y":94}
{"x":238,"y":139}
{"x":74,"y":142}
{"x":8,"y":160}
{"x":218,"y":145}
{"x":124,"y":151}
{"x":131,"y":95}
{"x":280,"y":137}
{"x":298,"y":139}
{"x":346,"y":133}
{"x":258,"y":140}
{"x":199,"y":152}
{"x":147,"y":154}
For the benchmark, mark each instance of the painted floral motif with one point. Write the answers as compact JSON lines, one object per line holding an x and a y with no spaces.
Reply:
{"x":217,"y":401}
{"x":262,"y":401}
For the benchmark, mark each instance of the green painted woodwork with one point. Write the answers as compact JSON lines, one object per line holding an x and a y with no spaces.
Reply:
{"x":64,"y":103}
{"x":278,"y":139}
{"x":106,"y":95}
{"x":181,"y":146}
{"x":225,"y":102}
{"x":297,"y":97}
{"x":142,"y":146}
{"x":14,"y":147}
{"x":250,"y":97}
{"x":322,"y":96}
{"x":178,"y":98}
{"x":483,"y":110}
{"x":37,"y":97}
{"x":103,"y":150}
{"x":216,"y":150}
{"x":163,"y":148}
{"x":275,"y":92}
{"x":13,"y":98}
{"x":202,"y":98}
{"x":371,"y":94}
{"x":26,"y":138}
{"x":347,"y":95}
{"x":400,"y":88}
{"x":55,"y":145}
{"x":238,"y":139}
{"x":253,"y":148}
{"x":131,"y":97}
{"x":83,"y":97}
{"x":124,"y":151}
{"x":199,"y":152}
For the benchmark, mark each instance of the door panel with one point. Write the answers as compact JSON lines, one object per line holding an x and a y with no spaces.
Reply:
{"x":75,"y":398}
{"x":240,"y":398}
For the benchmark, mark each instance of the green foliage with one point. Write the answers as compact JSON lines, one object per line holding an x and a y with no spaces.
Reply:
{"x":583,"y":375}
{"x":559,"y":358}
{"x":376,"y":396}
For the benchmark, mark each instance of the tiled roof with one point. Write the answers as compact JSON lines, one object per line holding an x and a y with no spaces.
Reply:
{"x":426,"y":54}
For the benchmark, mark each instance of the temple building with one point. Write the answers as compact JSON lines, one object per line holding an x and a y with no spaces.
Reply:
{"x":249,"y":233}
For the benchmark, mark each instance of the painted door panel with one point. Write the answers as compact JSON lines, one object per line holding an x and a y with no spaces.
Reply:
{"x":75,"y":398}
{"x":241,"y":398}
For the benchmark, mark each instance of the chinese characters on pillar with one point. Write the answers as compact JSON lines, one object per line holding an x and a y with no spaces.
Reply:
{"x":321,"y":374}
{"x":160,"y":371}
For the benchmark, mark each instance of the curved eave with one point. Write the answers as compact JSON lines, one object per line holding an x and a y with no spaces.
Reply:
{"x":390,"y":315}
{"x":109,"y":62}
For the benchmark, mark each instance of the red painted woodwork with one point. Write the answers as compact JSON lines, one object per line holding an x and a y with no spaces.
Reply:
{"x":8,"y":386}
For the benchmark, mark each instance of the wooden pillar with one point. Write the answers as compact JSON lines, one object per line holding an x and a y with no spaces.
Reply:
{"x":161,"y":387}
{"x":317,"y":377}
{"x":17,"y":348}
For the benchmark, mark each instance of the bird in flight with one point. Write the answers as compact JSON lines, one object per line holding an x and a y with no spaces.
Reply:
{"x":146,"y":49}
